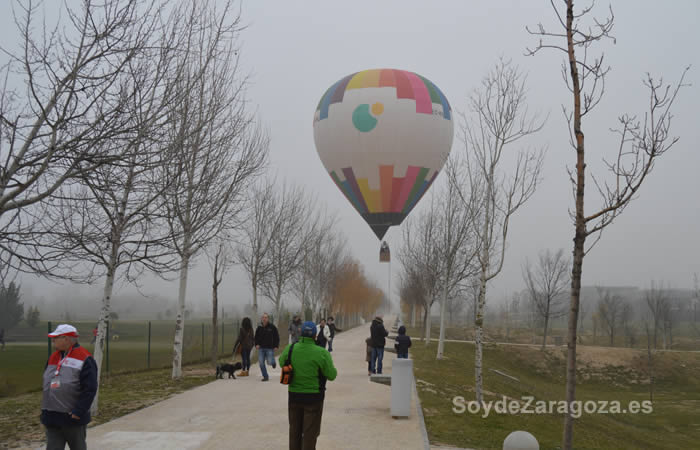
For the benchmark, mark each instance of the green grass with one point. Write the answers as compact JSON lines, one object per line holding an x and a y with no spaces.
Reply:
{"x":674,"y":423}
{"x":119,"y":395}
{"x":22,"y":362}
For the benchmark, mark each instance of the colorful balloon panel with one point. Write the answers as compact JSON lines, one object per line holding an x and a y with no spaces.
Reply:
{"x":383,"y":135}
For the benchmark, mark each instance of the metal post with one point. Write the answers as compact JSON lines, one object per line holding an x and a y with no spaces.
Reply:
{"x":48,"y":342}
{"x":148,"y":359}
{"x":202,"y":340}
{"x":222,"y":335}
{"x":107,"y":350}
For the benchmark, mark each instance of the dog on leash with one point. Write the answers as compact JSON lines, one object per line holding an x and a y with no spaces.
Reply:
{"x":230,"y":368}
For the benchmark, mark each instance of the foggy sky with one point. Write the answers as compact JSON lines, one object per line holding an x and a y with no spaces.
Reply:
{"x":295,"y":50}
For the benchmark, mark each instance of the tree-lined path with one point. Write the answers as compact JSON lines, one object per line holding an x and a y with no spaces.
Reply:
{"x":247,"y":413}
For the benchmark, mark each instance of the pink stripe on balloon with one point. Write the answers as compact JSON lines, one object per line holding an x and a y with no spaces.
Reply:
{"x":408,"y":182}
{"x":422,"y":96}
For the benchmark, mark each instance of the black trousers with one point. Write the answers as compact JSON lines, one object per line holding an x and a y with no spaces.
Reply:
{"x":58,"y":437}
{"x":304,"y":424}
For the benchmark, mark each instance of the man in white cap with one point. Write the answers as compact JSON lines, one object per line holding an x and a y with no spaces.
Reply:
{"x":69,"y":385}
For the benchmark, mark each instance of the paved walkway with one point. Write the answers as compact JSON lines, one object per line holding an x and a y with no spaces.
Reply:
{"x":248,"y":414}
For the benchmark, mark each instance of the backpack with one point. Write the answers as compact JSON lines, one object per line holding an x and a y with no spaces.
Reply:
{"x":287,"y":370}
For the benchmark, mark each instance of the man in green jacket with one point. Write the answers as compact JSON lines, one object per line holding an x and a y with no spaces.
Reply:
{"x":312,"y":366}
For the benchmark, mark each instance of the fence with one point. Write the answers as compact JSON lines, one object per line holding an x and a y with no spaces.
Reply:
{"x":138,"y":345}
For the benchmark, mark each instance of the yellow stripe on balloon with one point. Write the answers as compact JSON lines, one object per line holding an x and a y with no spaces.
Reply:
{"x":372,"y":197}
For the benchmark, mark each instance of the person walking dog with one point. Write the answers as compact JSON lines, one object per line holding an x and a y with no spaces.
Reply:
{"x":311,"y":365}
{"x":244,"y":344}
{"x":69,"y":387}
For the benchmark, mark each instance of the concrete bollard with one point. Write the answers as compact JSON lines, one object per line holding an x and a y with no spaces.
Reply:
{"x":401,"y":387}
{"x":520,"y":440}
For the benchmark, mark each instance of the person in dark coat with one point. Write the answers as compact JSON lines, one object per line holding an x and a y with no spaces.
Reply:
{"x":267,"y":340}
{"x":378,"y":334}
{"x":403,"y":342}
{"x":244,"y":344}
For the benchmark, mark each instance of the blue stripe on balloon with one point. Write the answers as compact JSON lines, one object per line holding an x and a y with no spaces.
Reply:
{"x":327,"y":100}
{"x":445,"y":103}
{"x":351,"y":195}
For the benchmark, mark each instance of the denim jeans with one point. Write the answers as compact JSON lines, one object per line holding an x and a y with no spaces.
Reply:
{"x":265,"y":354}
{"x":375,"y":362}
{"x":402,"y":355}
{"x":245,"y":359}
{"x":330,"y":344}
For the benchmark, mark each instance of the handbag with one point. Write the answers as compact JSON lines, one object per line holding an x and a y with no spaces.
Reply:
{"x":287,"y":371}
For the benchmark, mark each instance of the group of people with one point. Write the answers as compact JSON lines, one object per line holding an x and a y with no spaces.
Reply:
{"x":266,"y":340}
{"x":326,"y":330}
{"x":70,"y":377}
{"x":376,"y":342}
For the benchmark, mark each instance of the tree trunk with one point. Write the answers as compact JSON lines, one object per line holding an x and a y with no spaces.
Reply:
{"x":426,"y":324}
{"x":413,"y":315}
{"x":214,"y":320}
{"x":98,"y":351}
{"x":664,"y":336}
{"x":479,"y":338}
{"x":180,"y":318}
{"x":255,"y":301}
{"x":579,"y":236}
{"x":546,"y":327}
{"x":443,"y":306}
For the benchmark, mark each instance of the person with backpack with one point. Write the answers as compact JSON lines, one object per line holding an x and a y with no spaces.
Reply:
{"x":244,"y":344}
{"x":403,"y":342}
{"x":324,"y":334}
{"x":311,"y":367}
{"x":378,"y":334}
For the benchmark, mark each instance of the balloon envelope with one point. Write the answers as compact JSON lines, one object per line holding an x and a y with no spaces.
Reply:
{"x":383,"y":135}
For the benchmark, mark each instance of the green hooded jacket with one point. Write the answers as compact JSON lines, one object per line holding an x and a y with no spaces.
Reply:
{"x":308,"y":359}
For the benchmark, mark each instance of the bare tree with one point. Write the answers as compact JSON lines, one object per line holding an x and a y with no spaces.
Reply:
{"x":291,"y":210}
{"x":455,"y":243}
{"x":67,"y":119}
{"x":639,"y":144}
{"x":106,"y":223}
{"x":611,"y":310}
{"x":421,"y":262}
{"x":546,"y":284}
{"x":657,"y":304}
{"x":498,"y":118}
{"x":221,"y":260}
{"x":257,"y":234}
{"x":219,"y":149}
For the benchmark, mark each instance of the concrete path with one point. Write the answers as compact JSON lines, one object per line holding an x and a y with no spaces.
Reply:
{"x":248,"y":414}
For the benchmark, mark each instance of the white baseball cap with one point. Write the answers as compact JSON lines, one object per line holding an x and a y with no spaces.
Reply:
{"x":64,"y":330}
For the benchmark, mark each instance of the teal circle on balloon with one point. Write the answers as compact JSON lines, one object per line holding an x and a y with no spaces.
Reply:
{"x":362,"y":119}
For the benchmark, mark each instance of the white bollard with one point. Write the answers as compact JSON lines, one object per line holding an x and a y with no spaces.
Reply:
{"x":520,"y":440}
{"x":401,"y":387}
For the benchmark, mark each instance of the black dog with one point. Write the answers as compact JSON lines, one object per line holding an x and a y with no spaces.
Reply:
{"x":230,"y":368}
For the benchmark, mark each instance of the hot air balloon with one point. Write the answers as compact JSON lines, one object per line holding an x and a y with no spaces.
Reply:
{"x":383,"y":135}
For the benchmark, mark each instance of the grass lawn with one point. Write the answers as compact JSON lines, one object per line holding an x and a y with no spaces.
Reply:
{"x":119,"y":395}
{"x":22,"y":362}
{"x":674,"y":422}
